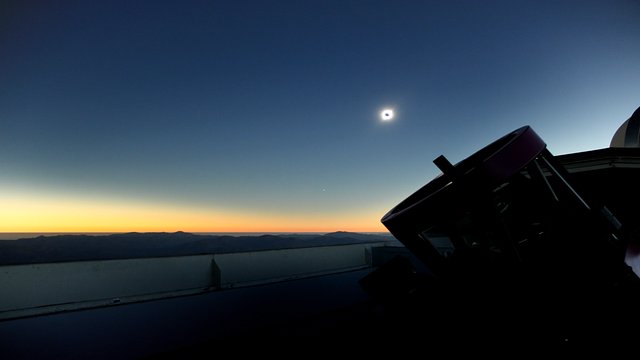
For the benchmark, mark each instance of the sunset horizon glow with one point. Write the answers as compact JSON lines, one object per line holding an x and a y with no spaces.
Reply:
{"x":59,"y":214}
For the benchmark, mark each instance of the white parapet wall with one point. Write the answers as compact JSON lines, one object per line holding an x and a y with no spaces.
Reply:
{"x":33,"y":289}
{"x":38,"y":285}
{"x":239,"y":269}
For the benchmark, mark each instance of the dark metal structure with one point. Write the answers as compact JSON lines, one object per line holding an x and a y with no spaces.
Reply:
{"x":509,"y":240}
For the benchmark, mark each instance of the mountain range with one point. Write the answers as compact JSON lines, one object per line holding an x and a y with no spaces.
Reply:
{"x":59,"y":248}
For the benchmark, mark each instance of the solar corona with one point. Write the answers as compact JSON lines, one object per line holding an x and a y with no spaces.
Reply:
{"x":386,"y":115}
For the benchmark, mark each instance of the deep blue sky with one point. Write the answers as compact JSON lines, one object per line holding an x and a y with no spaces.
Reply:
{"x":267,"y":112}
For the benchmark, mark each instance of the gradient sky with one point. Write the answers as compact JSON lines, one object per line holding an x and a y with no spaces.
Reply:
{"x":263,"y":115}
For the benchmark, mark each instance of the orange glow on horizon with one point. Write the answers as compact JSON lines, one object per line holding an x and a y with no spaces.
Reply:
{"x":31,"y":213}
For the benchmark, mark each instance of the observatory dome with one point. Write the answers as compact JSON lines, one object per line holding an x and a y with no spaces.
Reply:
{"x":628,"y":134}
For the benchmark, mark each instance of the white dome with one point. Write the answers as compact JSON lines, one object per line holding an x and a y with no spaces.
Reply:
{"x":628,"y":134}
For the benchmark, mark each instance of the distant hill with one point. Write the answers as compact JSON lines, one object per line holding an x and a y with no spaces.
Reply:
{"x":58,"y":248}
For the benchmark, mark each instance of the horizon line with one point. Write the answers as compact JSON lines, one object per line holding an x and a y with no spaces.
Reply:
{"x":14,"y":235}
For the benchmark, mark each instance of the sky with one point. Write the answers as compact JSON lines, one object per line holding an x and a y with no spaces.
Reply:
{"x":221,"y":116}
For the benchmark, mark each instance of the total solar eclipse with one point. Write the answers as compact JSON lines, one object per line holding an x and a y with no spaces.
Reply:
{"x":386,"y":115}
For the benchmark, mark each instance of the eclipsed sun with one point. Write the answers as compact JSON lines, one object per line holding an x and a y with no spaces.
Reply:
{"x":386,"y":115}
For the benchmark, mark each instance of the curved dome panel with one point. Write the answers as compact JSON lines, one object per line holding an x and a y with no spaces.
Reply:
{"x":628,"y":134}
